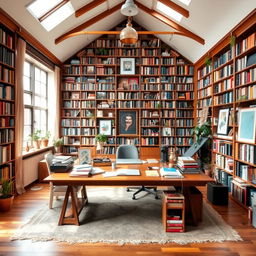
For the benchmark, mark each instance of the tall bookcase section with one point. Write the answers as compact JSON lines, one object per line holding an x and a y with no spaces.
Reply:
{"x":7,"y":105}
{"x":156,"y":92}
{"x":244,"y":182}
{"x":230,"y":84}
{"x":223,"y":100}
{"x":150,"y":93}
{"x":184,"y":104}
{"x":204,"y":92}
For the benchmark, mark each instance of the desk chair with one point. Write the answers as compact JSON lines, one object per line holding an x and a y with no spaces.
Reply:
{"x":59,"y":190}
{"x":131,"y":152}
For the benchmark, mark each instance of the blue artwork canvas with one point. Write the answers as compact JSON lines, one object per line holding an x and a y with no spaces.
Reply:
{"x":246,"y":129}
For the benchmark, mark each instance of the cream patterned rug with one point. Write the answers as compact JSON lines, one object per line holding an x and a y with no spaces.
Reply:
{"x":113,"y":217}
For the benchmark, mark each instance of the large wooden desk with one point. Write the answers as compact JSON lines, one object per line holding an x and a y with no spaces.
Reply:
{"x":99,"y":180}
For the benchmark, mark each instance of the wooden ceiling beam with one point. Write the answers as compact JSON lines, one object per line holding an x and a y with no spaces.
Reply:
{"x":170,"y":23}
{"x":89,"y":23}
{"x":88,"y":7}
{"x":118,"y":32}
{"x":175,"y":7}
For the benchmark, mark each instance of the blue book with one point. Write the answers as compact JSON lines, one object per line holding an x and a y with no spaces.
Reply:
{"x":171,"y":170}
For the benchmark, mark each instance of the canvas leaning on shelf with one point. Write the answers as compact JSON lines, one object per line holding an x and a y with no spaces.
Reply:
{"x":247,"y":125}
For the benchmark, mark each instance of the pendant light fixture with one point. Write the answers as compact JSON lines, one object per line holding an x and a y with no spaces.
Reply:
{"x":129,"y":35}
{"x":129,"y":8}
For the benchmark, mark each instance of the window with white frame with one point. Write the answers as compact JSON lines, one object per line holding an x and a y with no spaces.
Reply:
{"x":35,"y":81}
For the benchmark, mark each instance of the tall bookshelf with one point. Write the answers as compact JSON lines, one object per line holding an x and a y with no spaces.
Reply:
{"x":229,"y":82}
{"x":161,"y":93}
{"x":7,"y":105}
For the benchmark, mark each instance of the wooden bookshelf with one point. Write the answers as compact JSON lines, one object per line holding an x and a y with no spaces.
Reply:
{"x":7,"y":102}
{"x":160,"y":93}
{"x":173,"y":212}
{"x":229,"y":83}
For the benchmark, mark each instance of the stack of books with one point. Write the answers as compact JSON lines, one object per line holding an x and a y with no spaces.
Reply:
{"x":167,"y":172}
{"x":188,"y":165}
{"x":81,"y":170}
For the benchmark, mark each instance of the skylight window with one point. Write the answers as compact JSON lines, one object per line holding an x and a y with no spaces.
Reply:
{"x":50,"y":13}
{"x":168,"y":11}
{"x":186,"y":2}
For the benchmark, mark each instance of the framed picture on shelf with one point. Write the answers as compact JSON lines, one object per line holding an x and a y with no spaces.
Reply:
{"x":222,"y":127}
{"x":84,"y":155}
{"x":105,"y":127}
{"x":90,"y":69}
{"x":127,"y":122}
{"x":127,"y":66}
{"x":75,"y":95}
{"x":247,"y":125}
{"x":133,"y":81}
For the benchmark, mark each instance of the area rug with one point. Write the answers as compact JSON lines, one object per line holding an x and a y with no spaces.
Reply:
{"x":113,"y":217}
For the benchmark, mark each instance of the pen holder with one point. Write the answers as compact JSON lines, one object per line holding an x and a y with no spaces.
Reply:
{"x":113,"y":165}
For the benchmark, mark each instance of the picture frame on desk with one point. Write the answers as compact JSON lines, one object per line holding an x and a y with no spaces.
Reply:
{"x":84,"y":155}
{"x":247,"y":125}
{"x":105,"y":127}
{"x":222,"y":127}
{"x":127,"y":66}
{"x":127,"y":122}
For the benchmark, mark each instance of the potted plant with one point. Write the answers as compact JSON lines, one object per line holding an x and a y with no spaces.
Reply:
{"x":6,"y":197}
{"x":45,"y":139}
{"x":206,"y":164}
{"x":36,"y":136}
{"x":100,"y":139}
{"x":200,"y":131}
{"x":57,"y":143}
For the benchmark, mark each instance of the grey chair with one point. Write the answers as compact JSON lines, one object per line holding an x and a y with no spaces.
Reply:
{"x":131,"y":152}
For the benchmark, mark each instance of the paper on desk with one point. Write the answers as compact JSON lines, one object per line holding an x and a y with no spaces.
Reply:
{"x":152,"y":173}
{"x":120,"y":172}
{"x":152,"y":161}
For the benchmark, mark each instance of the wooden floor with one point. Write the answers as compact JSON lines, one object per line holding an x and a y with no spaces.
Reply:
{"x":26,"y":205}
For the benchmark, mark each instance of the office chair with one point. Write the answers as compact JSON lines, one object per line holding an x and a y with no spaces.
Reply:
{"x":131,"y":152}
{"x":59,"y":190}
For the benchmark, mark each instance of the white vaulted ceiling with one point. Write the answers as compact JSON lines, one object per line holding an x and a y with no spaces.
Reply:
{"x":209,"y":19}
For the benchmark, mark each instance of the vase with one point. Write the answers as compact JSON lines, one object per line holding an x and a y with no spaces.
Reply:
{"x":27,"y":147}
{"x":172,"y":158}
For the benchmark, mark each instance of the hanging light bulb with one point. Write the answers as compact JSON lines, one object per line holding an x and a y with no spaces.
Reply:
{"x":129,"y":35}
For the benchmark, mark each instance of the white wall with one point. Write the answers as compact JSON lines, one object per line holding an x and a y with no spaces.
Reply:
{"x":30,"y":167}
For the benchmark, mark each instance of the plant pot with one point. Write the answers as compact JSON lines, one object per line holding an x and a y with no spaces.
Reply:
{"x":37,"y":144}
{"x":45,"y":142}
{"x":6,"y":203}
{"x":58,"y":149}
{"x":208,"y":172}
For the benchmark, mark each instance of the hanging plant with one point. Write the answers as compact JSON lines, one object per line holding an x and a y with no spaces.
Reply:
{"x":232,"y":41}
{"x":207,"y":61}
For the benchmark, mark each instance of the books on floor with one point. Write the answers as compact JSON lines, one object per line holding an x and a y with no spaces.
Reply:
{"x":168,"y":172}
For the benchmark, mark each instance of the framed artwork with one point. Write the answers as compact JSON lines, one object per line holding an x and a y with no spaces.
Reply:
{"x":84,"y":155}
{"x":75,"y":95}
{"x":127,"y":122}
{"x":90,"y":70}
{"x":247,"y":125}
{"x":105,"y":127}
{"x":127,"y":66}
{"x":223,"y":121}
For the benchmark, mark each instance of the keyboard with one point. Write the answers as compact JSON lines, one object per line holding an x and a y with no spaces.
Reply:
{"x":128,"y":161}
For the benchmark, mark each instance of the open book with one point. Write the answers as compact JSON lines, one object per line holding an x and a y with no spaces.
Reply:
{"x":122,"y":172}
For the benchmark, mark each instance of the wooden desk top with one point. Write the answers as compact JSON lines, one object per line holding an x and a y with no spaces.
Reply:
{"x":98,"y":180}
